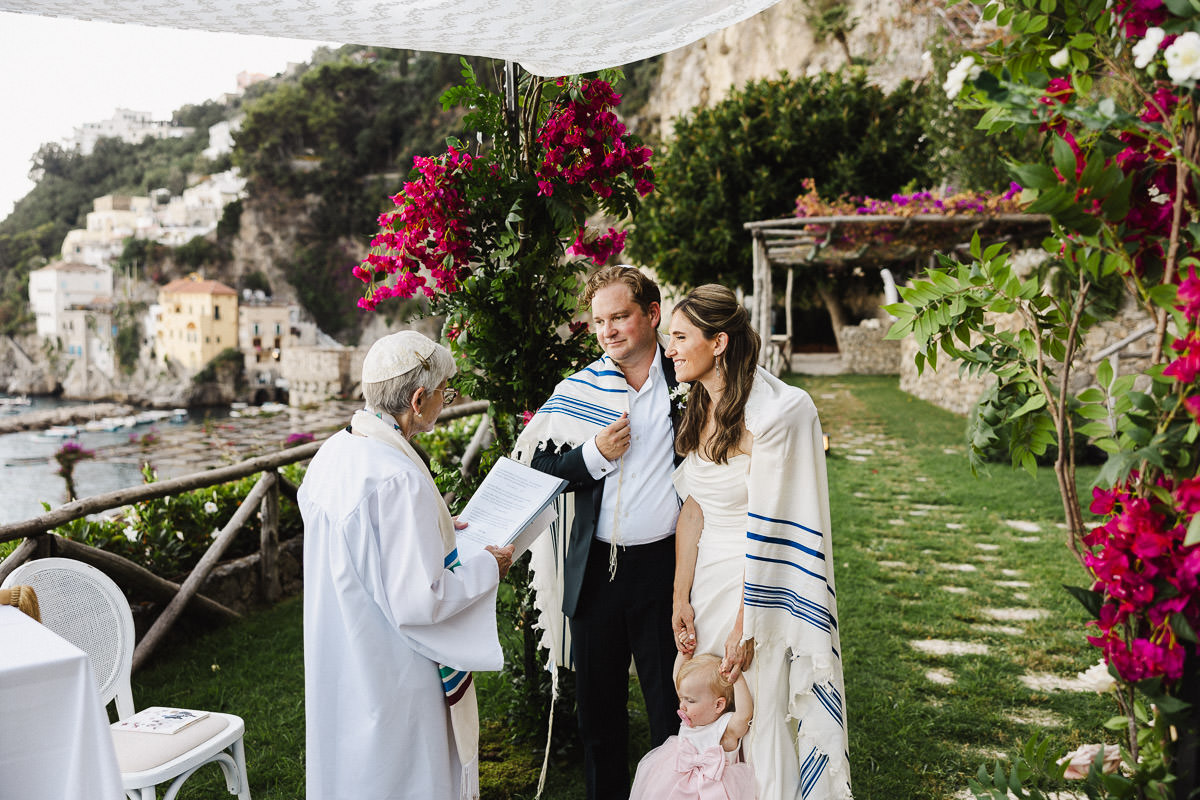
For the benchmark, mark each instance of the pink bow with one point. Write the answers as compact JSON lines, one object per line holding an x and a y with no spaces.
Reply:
{"x":700,"y":771}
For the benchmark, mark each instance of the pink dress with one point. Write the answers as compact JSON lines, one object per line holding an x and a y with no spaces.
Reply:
{"x":692,"y":766}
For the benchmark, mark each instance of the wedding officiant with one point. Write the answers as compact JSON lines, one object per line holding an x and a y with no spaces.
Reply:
{"x":393,"y":621}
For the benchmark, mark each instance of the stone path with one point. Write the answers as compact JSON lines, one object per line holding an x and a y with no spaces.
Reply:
{"x":977,"y":574}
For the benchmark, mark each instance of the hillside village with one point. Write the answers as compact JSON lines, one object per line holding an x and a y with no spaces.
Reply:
{"x":85,"y":305}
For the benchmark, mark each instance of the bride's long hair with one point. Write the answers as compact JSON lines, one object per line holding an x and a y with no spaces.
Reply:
{"x":714,"y":309}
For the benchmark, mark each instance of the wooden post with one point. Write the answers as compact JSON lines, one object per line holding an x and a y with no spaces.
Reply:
{"x":198,"y":575}
{"x":268,"y":559}
{"x":129,"y":575}
{"x":18,"y":557}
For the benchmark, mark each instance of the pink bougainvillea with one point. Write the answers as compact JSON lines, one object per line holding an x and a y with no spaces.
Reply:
{"x":585,"y":143}
{"x":1147,"y":578}
{"x":598,"y":247}
{"x":426,"y":234}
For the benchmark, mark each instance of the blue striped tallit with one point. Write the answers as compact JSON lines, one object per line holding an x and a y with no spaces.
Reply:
{"x":790,"y":599}
{"x":580,"y":406}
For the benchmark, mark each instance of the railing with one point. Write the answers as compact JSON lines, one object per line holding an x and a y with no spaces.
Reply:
{"x":264,"y":497}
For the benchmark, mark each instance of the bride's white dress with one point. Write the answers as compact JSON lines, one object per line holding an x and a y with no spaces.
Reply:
{"x":722,"y":492}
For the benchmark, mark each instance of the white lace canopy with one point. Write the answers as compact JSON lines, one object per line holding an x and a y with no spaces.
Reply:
{"x":547,"y":37}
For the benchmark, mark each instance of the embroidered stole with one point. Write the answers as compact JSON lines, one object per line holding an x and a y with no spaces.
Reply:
{"x":790,"y":600}
{"x":457,"y":684}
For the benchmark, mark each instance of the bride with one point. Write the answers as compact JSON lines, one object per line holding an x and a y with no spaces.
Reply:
{"x":754,"y":573}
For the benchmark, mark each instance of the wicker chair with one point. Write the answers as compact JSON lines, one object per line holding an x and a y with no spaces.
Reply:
{"x":83,"y":605}
{"x":24,"y":598}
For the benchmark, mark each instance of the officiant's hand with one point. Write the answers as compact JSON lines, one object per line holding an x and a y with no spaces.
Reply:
{"x":504,"y":557}
{"x":613,"y":441}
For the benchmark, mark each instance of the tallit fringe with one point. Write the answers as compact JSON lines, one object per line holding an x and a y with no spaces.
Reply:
{"x":837,"y":771}
{"x":549,"y":731}
{"x":469,"y":781}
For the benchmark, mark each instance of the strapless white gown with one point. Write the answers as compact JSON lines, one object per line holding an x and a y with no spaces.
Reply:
{"x":723,"y":494}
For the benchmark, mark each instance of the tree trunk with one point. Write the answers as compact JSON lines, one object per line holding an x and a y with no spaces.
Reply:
{"x":837,"y":315}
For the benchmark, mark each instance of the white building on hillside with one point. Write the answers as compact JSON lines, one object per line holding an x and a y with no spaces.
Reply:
{"x":114,"y":219}
{"x":128,"y":126}
{"x":220,"y":138}
{"x":65,"y":285}
{"x":198,"y":210}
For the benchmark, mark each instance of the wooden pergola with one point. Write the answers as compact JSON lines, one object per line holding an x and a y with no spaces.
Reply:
{"x":863,"y":240}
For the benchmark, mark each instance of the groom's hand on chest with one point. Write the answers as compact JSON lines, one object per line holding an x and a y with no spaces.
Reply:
{"x":613,"y":441}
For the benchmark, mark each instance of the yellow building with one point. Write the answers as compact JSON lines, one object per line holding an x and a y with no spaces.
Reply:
{"x":199,"y":319}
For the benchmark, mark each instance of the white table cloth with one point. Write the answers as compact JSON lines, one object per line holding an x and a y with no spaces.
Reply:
{"x":56,"y":743}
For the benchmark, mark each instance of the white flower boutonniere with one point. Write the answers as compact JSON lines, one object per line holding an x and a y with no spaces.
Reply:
{"x":679,"y":395}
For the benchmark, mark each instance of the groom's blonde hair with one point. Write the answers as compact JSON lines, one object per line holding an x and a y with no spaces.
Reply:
{"x":710,"y":667}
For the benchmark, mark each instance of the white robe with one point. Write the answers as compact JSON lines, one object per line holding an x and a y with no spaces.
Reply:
{"x":381,"y":611}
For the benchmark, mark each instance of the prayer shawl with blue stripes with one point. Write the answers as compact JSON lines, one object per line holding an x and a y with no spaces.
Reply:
{"x":790,"y":600}
{"x":580,"y":407}
{"x":457,"y":684}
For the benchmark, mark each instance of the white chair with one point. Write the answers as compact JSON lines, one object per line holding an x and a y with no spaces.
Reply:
{"x":83,"y":605}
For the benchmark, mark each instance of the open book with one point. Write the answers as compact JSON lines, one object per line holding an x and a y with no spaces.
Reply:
{"x":157,"y":719}
{"x":514,"y":505}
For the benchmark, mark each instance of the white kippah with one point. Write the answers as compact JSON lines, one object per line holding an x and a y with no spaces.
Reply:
{"x":396,"y":354}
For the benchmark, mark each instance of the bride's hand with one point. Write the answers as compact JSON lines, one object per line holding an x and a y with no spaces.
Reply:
{"x":683,"y":627}
{"x":739,"y":655}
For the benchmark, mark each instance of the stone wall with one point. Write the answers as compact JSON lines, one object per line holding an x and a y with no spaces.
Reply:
{"x":864,"y":351}
{"x":238,"y":584}
{"x":315,"y":374}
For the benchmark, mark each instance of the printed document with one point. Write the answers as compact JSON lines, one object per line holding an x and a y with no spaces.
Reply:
{"x":514,"y":505}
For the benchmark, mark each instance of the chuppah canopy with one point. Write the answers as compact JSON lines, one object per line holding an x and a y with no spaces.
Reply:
{"x":546,"y":37}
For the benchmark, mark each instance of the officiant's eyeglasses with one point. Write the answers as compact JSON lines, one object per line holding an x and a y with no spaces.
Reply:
{"x":449,"y":395}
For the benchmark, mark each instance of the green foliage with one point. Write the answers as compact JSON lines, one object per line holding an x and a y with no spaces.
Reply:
{"x":168,"y":535}
{"x":231,"y":220}
{"x":324,"y":286}
{"x":127,"y":343}
{"x":745,"y":158}
{"x":227,"y":364}
{"x":198,"y":252}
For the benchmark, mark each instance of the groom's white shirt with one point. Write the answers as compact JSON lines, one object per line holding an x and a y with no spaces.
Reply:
{"x":648,"y":505}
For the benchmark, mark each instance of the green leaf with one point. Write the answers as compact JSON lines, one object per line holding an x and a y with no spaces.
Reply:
{"x":1091,"y":600}
{"x":1034,"y":176}
{"x":1104,"y":372}
{"x":1183,"y":629}
{"x":1032,"y":404}
{"x":1064,"y":158}
{"x":1164,"y":295}
{"x":1193,"y":532}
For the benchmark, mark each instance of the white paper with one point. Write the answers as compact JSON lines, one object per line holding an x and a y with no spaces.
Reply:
{"x":513,"y":505}
{"x":157,"y":719}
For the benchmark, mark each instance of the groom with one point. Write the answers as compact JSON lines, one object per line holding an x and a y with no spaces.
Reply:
{"x":608,"y":430}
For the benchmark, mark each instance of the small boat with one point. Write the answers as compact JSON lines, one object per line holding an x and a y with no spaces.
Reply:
{"x":61,"y":432}
{"x":150,"y":417}
{"x":104,"y":424}
{"x":14,"y":402}
{"x":179,"y":415}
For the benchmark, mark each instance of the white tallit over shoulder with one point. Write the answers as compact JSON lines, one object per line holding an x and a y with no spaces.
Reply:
{"x":579,"y":408}
{"x":790,"y":599}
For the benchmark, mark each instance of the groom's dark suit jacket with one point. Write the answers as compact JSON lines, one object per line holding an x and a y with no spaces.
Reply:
{"x":569,"y":465}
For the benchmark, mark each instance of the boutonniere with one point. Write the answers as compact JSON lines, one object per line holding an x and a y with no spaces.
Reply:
{"x":679,"y":396}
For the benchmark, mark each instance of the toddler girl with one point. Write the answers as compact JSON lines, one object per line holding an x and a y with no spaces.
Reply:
{"x":703,"y":761}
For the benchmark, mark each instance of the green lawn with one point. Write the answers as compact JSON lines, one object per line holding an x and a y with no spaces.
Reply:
{"x":925,"y":553}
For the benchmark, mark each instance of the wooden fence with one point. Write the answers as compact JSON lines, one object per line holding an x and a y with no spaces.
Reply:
{"x":39,"y":542}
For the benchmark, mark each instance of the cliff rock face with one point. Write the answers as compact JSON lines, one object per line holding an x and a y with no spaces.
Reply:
{"x":889,"y":34}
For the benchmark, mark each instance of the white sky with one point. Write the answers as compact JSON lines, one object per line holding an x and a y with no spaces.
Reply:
{"x":58,"y":73}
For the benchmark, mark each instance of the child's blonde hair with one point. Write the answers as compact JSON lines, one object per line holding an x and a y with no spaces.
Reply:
{"x":716,"y":681}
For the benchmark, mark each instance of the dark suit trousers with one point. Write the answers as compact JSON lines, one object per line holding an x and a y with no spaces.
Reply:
{"x":630,"y":615}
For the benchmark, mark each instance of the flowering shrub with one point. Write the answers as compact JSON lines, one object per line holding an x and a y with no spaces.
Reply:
{"x":945,"y":203}
{"x":168,"y":535}
{"x":482,"y":232}
{"x":1112,"y":89}
{"x":70,"y":454}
